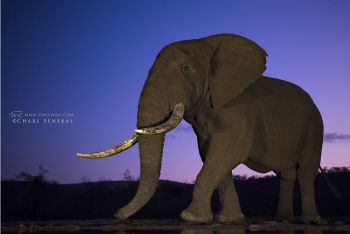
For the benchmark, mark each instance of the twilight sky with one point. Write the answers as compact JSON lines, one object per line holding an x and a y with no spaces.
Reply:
{"x":86,"y":60}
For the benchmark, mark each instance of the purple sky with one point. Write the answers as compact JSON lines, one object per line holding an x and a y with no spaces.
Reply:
{"x":90,"y":58}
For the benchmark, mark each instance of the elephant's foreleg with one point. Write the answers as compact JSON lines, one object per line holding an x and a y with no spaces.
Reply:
{"x":219,"y":162}
{"x":285,"y":203}
{"x":230,"y":209}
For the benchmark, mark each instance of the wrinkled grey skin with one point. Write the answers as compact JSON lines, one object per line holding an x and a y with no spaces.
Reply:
{"x":239,"y":116}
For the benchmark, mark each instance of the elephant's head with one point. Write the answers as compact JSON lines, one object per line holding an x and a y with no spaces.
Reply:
{"x":184,"y":75}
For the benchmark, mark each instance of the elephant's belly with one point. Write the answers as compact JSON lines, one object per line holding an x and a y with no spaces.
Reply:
{"x":264,"y":159}
{"x":272,"y":161}
{"x":255,"y":166}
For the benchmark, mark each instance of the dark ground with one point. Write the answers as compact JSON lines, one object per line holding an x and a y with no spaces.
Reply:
{"x":173,"y":226}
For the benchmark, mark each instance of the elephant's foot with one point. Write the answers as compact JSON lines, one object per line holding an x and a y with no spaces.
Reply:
{"x":227,"y":216}
{"x":285,"y":216}
{"x":197,"y":215}
{"x":312,"y":219}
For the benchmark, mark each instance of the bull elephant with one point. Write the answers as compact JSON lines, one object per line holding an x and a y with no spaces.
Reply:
{"x":239,"y":116}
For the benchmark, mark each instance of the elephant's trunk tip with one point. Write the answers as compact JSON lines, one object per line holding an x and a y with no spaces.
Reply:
{"x":120,"y":215}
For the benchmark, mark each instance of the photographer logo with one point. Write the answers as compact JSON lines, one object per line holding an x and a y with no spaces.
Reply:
{"x":48,"y":118}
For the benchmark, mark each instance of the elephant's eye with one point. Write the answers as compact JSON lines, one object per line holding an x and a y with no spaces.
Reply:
{"x":185,"y":68}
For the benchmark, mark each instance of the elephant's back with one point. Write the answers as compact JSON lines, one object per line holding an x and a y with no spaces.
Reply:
{"x":280,"y":94}
{"x":284,"y":112}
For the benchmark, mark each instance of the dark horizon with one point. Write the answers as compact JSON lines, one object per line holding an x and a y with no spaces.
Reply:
{"x":127,"y":176}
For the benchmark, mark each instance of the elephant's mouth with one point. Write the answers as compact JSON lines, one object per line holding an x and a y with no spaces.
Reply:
{"x":167,"y":126}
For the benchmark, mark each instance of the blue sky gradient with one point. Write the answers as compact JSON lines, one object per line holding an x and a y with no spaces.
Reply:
{"x":91,"y":57}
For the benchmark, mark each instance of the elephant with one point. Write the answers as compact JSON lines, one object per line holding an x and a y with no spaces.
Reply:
{"x":239,"y":116}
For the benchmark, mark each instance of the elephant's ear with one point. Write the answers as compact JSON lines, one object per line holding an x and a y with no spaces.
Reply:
{"x":236,"y":63}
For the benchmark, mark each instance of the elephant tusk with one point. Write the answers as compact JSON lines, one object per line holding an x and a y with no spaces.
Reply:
{"x":112,"y":151}
{"x":173,"y":121}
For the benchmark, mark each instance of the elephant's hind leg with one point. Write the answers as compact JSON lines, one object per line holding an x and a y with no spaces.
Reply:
{"x":309,"y":210}
{"x":285,"y":203}
{"x":308,"y":166}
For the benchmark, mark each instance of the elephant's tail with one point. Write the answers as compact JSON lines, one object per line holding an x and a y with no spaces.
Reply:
{"x":330,"y":185}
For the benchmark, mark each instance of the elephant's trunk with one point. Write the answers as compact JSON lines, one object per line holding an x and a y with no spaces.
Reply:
{"x":153,"y":109}
{"x":151,"y":147}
